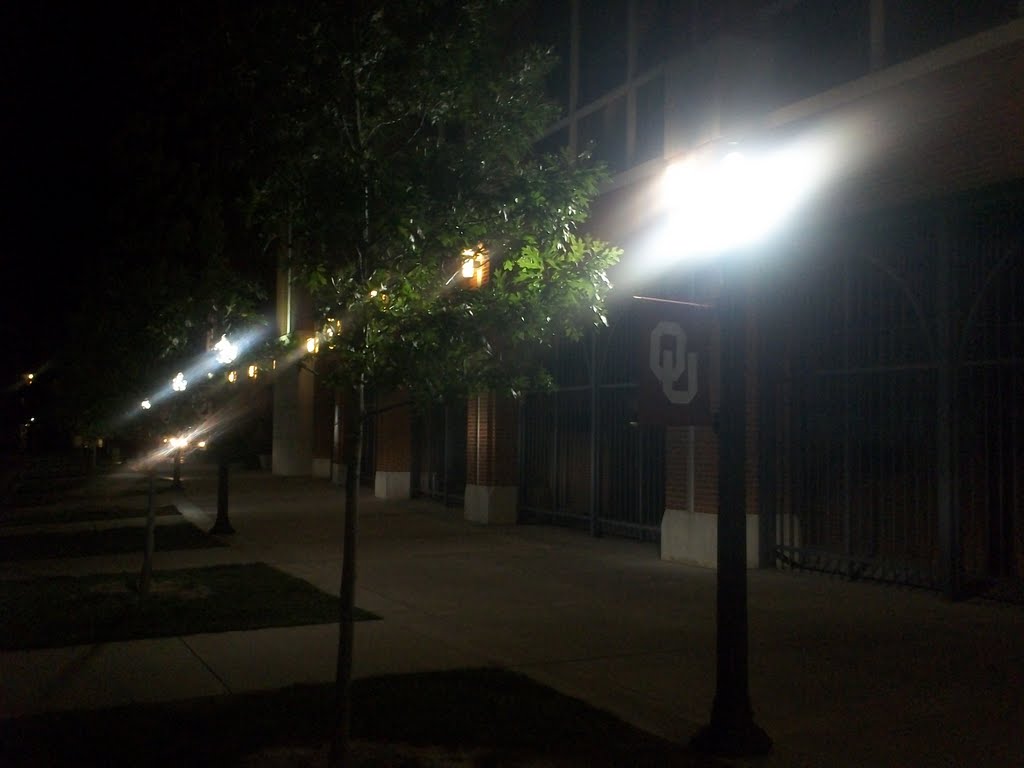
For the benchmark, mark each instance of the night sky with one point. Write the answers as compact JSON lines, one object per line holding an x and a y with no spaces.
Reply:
{"x":64,"y":69}
{"x":71,"y":75}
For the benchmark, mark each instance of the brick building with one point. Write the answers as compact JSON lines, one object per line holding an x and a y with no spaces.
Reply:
{"x":885,"y":435}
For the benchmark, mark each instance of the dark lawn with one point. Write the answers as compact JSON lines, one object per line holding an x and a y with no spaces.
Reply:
{"x":66,"y":610}
{"x":107,"y":541}
{"x":493,"y":717}
{"x":84,"y":514}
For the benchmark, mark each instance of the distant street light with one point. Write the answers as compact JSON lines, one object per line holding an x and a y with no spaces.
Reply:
{"x":179,"y":383}
{"x":226,"y":351}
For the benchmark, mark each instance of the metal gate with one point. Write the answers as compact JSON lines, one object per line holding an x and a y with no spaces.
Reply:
{"x":584,"y":460}
{"x":439,"y":455}
{"x":893,"y":372}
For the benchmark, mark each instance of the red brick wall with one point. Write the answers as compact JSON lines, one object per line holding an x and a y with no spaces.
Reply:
{"x":394,"y":433}
{"x":491,"y":429}
{"x":677,"y":450}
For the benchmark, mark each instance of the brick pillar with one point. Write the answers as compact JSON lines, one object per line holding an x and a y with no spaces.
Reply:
{"x":492,"y":491}
{"x":394,"y":447}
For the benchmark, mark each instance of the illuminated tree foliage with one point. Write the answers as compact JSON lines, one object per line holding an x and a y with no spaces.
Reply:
{"x":413,"y":129}
{"x":407,"y":135}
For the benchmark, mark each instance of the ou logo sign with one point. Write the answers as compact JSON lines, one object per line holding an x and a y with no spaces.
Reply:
{"x":668,"y":365}
{"x":674,"y":340}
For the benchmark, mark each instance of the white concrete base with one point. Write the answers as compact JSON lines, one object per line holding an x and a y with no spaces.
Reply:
{"x":692,"y":537}
{"x":322,"y":468}
{"x":284,"y":462}
{"x":492,"y":504}
{"x":392,"y":485}
{"x":338,"y":474}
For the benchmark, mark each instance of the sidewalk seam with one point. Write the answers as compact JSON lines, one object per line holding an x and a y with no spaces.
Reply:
{"x":201,"y":660}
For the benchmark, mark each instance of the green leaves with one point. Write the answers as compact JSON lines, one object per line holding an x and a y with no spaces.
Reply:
{"x":386,"y":138}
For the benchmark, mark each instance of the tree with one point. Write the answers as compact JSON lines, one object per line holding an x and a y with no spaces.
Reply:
{"x":407,"y":135}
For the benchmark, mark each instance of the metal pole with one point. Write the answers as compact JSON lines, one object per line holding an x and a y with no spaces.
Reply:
{"x":945,"y":426}
{"x":595,"y":485}
{"x":222,"y":525}
{"x":732,"y":731}
{"x":447,"y":456}
{"x":146,"y":575}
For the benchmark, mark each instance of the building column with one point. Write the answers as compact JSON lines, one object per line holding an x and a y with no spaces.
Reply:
{"x":392,"y":478}
{"x":294,"y":384}
{"x":292,"y":452}
{"x":492,"y":492}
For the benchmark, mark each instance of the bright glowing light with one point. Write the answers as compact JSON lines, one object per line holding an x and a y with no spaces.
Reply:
{"x":146,"y":405}
{"x":469,"y":253}
{"x":201,"y":444}
{"x":178,"y":442}
{"x":232,"y":377}
{"x":253,"y":371}
{"x":468,"y":268}
{"x":179,"y":383}
{"x":226,"y":351}
{"x":30,"y":377}
{"x":311,"y":345}
{"x":718,"y":204}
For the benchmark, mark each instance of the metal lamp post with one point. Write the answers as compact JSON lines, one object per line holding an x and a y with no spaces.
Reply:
{"x":178,"y":384}
{"x":226,"y":352}
{"x":723,"y":205}
{"x":732,"y":730}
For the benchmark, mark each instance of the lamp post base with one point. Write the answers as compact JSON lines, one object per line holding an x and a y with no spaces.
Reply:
{"x":734,"y":739}
{"x":222,"y":524}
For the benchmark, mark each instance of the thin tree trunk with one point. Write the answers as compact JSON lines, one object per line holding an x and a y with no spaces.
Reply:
{"x":354,"y":409}
{"x":146,"y":576}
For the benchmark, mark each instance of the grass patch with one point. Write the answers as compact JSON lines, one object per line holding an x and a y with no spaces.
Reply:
{"x":483,"y":716}
{"x":16,"y":517}
{"x":106,"y":541}
{"x":68,"y":610}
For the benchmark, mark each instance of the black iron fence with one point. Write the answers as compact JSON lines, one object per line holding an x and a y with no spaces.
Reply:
{"x":894,"y":376}
{"x":439,"y":454}
{"x":584,"y":460}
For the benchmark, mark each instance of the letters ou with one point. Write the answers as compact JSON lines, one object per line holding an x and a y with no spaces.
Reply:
{"x":668,"y":364}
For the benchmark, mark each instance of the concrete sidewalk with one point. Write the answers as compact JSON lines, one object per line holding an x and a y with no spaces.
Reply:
{"x":842,"y":674}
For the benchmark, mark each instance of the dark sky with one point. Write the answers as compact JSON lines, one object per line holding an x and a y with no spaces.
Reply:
{"x":67,"y":74}
{"x":52,"y":114}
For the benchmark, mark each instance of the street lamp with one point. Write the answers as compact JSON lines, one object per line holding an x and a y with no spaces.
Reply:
{"x":226,"y":353}
{"x":178,"y":384}
{"x":720,"y":204}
